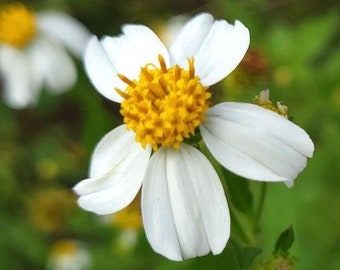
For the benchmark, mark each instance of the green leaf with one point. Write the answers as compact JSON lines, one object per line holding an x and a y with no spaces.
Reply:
{"x":302,"y":44}
{"x":285,"y":240}
{"x":246,"y":255}
{"x":226,"y":260}
{"x":240,"y":193}
{"x":313,"y":35}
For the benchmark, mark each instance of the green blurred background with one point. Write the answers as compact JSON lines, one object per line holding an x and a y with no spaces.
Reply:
{"x":46,"y":150}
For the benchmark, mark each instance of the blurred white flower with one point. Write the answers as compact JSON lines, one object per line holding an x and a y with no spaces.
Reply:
{"x":68,"y":255}
{"x":168,"y":31}
{"x":33,"y":55}
{"x":126,"y":241}
{"x":165,"y":102}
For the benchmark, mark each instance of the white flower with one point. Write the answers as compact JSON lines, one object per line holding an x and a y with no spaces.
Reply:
{"x":68,"y":255}
{"x":168,"y":31}
{"x":32,"y":53}
{"x":164,"y":101}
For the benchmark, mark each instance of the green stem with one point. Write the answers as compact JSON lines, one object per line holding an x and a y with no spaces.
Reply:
{"x":238,"y":225}
{"x":259,"y":211}
{"x":243,"y":233}
{"x":234,"y":213}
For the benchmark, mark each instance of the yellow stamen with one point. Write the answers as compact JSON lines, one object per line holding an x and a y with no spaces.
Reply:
{"x":191,"y":68}
{"x":164,"y":105}
{"x":126,"y":80}
{"x":17,"y":25}
{"x":122,"y":93}
{"x":162,"y":63}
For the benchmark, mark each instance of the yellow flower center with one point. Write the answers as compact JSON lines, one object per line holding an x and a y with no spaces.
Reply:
{"x":17,"y":25}
{"x":164,"y":105}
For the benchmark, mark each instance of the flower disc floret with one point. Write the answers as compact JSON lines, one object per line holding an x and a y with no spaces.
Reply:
{"x":17,"y":25}
{"x":164,"y":105}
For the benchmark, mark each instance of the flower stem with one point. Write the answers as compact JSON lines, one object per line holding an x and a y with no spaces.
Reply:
{"x":258,"y":214}
{"x":239,"y":221}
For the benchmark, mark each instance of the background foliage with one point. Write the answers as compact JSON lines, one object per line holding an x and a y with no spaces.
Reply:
{"x":45,"y":150}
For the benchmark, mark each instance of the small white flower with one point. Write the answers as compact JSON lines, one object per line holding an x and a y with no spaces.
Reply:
{"x":69,"y":255}
{"x":32,"y":53}
{"x":164,"y":101}
{"x":168,"y":32}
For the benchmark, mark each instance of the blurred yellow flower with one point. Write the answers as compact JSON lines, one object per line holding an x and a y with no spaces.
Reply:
{"x":49,"y":209}
{"x":17,"y":25}
{"x":129,"y":217}
{"x":47,"y":169}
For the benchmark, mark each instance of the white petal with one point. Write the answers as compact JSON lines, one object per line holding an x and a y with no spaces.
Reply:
{"x":221,"y":51}
{"x":65,"y":29}
{"x":54,"y":66}
{"x":136,"y":47}
{"x":18,"y":89}
{"x":117,"y":170}
{"x":170,"y":30}
{"x":190,"y":38}
{"x":256,"y":143}
{"x":289,"y":183}
{"x":185,"y":212}
{"x":37,"y":67}
{"x":101,"y":71}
